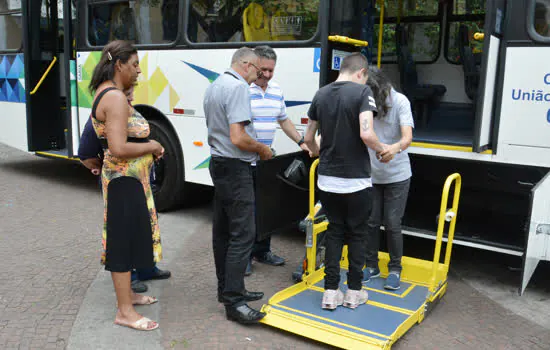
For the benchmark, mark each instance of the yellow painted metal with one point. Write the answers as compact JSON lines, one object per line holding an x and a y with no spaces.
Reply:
{"x":447,"y":147}
{"x":443,"y":213}
{"x":417,"y":272}
{"x":44,"y":76}
{"x":479,"y":36}
{"x":380,"y":34}
{"x":54,"y":155}
{"x":346,"y":40}
{"x":314,"y":165}
{"x":322,"y":332}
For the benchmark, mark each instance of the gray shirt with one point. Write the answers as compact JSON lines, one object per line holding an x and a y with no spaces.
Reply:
{"x":227,"y":101}
{"x":388,"y":130}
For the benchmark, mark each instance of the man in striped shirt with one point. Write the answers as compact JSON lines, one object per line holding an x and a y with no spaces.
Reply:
{"x":268,"y":110}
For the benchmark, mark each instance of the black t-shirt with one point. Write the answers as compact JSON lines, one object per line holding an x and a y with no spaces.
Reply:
{"x":337,"y":107}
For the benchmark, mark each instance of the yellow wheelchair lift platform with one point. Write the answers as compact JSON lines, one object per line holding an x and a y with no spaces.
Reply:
{"x":387,"y":315}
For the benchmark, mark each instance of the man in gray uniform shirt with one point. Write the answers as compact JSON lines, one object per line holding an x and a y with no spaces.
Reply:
{"x":234,"y":147}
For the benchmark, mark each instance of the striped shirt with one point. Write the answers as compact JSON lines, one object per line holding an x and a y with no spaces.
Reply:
{"x":268,"y":108}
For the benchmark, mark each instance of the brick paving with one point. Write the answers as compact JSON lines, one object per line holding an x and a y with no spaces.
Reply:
{"x":49,"y":242}
{"x":49,"y":247}
{"x":191,"y":318}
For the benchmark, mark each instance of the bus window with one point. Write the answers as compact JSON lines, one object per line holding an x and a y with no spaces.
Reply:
{"x":423,"y":28}
{"x":11,"y":25}
{"x":141,"y":22}
{"x":246,"y":21}
{"x":470,"y":15}
{"x":542,"y":17}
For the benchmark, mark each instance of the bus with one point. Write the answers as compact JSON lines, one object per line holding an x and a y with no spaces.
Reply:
{"x":474,"y":71}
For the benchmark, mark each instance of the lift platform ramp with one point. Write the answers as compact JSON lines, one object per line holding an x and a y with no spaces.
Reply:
{"x":387,"y":315}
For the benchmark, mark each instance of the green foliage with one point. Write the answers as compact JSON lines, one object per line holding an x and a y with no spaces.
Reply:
{"x":424,"y":36}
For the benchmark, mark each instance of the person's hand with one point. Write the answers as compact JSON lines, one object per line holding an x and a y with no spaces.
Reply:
{"x":305,"y":148}
{"x":158,"y":150}
{"x":388,"y":153}
{"x":94,"y":164}
{"x":265,"y":153}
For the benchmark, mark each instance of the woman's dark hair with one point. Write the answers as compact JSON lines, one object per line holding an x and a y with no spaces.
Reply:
{"x":105,"y":70}
{"x":381,"y":87}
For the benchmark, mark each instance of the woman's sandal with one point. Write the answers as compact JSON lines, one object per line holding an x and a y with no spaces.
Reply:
{"x":140,"y":325}
{"x":148,"y":301}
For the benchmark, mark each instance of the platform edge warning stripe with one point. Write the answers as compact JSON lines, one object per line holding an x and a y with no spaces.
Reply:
{"x":411,"y":321}
{"x":321,"y":332}
{"x":377,"y":304}
{"x":363,"y":330}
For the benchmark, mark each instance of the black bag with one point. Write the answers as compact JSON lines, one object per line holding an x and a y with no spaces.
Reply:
{"x":296,"y":172}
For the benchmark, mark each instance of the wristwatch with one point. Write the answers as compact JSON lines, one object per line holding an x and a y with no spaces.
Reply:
{"x":301,"y":141}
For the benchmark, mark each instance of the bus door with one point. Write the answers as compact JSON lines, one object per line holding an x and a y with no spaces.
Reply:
{"x":43,"y":45}
{"x":491,"y":38}
{"x":342,"y":35}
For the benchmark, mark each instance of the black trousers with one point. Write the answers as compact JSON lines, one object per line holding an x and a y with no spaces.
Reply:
{"x":233,"y":230}
{"x":389,"y":201}
{"x":348,"y":216}
{"x":260,"y":248}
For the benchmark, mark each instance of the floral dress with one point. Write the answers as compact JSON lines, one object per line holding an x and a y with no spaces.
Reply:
{"x":132,"y":219}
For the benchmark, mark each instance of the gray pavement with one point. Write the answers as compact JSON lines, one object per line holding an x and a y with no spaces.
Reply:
{"x":55,"y":295}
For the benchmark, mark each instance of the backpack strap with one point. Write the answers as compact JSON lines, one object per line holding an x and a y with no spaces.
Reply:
{"x":98,"y":98}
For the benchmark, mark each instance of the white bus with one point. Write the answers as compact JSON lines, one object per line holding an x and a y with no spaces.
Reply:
{"x":475,"y":71}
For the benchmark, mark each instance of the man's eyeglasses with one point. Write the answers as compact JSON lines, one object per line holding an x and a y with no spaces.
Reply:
{"x":255,"y":66}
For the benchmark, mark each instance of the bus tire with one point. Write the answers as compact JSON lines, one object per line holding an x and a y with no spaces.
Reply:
{"x":168,"y":182}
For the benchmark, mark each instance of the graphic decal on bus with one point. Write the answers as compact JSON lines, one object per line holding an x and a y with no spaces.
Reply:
{"x":211,"y":76}
{"x":12,"y":79}
{"x":204,"y":164}
{"x":153,"y":86}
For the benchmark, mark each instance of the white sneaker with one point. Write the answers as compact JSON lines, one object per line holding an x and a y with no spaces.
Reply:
{"x":354,"y":298}
{"x":332,"y":298}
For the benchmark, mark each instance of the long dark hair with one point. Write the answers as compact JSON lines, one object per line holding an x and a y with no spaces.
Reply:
{"x":381,"y":87}
{"x":105,"y":70}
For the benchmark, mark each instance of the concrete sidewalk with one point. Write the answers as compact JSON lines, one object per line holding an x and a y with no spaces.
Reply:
{"x":191,"y":318}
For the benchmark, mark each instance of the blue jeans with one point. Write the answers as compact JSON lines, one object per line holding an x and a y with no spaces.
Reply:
{"x":388,"y":207}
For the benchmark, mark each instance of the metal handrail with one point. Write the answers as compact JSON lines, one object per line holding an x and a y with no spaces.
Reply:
{"x":346,"y":40}
{"x":479,"y":36}
{"x":380,"y":34}
{"x":44,"y":76}
{"x":312,"y":188}
{"x":446,"y":215}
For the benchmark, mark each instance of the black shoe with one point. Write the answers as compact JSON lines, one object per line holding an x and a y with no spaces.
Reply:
{"x":138,"y":286}
{"x":270,"y":259}
{"x":157,"y":274}
{"x":243,"y":314}
{"x":248,"y":296}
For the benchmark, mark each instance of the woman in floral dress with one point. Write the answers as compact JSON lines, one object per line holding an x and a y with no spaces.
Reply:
{"x":131,"y":236}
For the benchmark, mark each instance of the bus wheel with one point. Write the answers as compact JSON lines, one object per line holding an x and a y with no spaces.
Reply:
{"x":168,"y":175}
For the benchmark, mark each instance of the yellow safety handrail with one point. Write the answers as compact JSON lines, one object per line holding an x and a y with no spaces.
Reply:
{"x":479,"y":36}
{"x":346,"y":40}
{"x":380,"y":34}
{"x":44,"y":76}
{"x":311,"y":250}
{"x":312,"y":188}
{"x":443,"y":212}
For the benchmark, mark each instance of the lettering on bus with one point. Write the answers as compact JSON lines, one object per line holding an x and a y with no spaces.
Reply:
{"x":533,"y":95}
{"x":286,"y":25}
{"x":536,"y":95}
